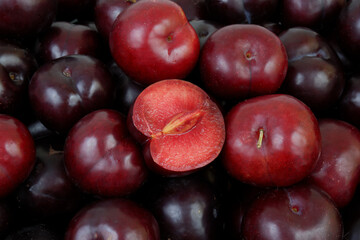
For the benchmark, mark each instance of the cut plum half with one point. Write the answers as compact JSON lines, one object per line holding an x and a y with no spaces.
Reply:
{"x":186,"y":129}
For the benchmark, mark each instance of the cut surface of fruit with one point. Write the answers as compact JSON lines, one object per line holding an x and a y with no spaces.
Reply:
{"x":185,"y":127}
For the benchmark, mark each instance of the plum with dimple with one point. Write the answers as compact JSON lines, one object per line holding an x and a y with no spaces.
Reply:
{"x":297,"y":212}
{"x":242,"y":60}
{"x":271,"y":140}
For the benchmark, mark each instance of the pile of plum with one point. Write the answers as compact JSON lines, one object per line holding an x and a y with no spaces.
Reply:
{"x":179,"y":119}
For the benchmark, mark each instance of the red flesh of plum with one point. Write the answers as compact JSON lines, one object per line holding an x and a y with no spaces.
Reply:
{"x":185,"y":127}
{"x":243,"y":60}
{"x":271,"y":140}
{"x":100,"y":156}
{"x":152,"y":40}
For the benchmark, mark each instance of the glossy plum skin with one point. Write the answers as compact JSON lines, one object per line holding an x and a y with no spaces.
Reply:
{"x":349,"y":104}
{"x":36,"y":16}
{"x":347,"y":32}
{"x":315,"y":14}
{"x":286,"y":152}
{"x":64,"y":90}
{"x":242,"y":60}
{"x":64,"y":38}
{"x":17,"y":154}
{"x":185,"y":208}
{"x":306,"y":213}
{"x":113,"y":219}
{"x":316,"y":82}
{"x":100,"y":156}
{"x":17,"y":65}
{"x":106,"y":12}
{"x":315,"y":74}
{"x":194,"y":9}
{"x":243,"y":11}
{"x":204,"y":29}
{"x":48,"y":192}
{"x":126,"y":90}
{"x":154,"y":35}
{"x":338,"y":169}
{"x":175,"y":115}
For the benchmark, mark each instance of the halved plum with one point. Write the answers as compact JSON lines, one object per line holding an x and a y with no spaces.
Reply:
{"x":186,"y":129}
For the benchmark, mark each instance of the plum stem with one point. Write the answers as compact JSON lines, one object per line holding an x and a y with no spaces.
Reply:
{"x":261,"y":136}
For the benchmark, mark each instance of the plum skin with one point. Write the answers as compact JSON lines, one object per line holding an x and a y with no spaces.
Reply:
{"x":154,"y":35}
{"x":97,"y":141}
{"x":242,"y":60}
{"x":264,"y":150}
{"x":17,"y":156}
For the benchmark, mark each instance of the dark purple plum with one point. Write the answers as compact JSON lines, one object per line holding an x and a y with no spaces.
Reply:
{"x":65,"y":38}
{"x":315,"y":74}
{"x":239,"y":61}
{"x":338,"y":170}
{"x":241,"y":11}
{"x":48,"y":192}
{"x":106,"y":11}
{"x":24,"y":18}
{"x":66,"y":89}
{"x":126,"y":90}
{"x":204,"y":28}
{"x":315,"y":14}
{"x":185,"y":207}
{"x":347,"y":30}
{"x":101,"y":158}
{"x":315,"y":81}
{"x":297,"y":212}
{"x":303,"y":42}
{"x":113,"y":219}
{"x":17,"y":65}
{"x":194,"y":9}
{"x":238,"y":199}
{"x":349,"y":104}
